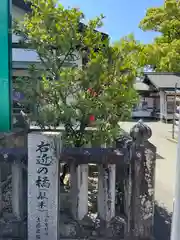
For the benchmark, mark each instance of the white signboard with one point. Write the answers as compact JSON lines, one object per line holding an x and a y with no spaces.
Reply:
{"x":43,"y":180}
{"x":170,"y":98}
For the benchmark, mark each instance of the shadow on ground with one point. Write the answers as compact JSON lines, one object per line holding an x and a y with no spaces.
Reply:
{"x":159,"y":156}
{"x":162,"y":223}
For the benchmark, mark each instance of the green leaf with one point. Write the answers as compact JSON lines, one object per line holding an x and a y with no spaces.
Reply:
{"x":164,"y":52}
{"x":58,"y":90}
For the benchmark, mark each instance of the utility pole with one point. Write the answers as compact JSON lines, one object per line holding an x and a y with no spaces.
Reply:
{"x":175,"y":95}
{"x":175,"y":230}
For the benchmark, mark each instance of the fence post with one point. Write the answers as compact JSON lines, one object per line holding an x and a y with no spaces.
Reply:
{"x":142,"y":175}
{"x":106,"y":191}
{"x":125,"y":142}
{"x":17,"y":190}
{"x":43,"y":186}
{"x":79,"y":190}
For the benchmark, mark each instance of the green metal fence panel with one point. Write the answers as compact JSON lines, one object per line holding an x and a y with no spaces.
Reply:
{"x":5,"y":65}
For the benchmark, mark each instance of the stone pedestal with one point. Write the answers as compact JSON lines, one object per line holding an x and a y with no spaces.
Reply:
{"x":79,"y":190}
{"x":43,"y":187}
{"x":106,"y":192}
{"x":17,"y":191}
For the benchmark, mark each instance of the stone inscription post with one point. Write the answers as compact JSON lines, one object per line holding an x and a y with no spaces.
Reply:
{"x":43,"y":187}
{"x":143,"y":173}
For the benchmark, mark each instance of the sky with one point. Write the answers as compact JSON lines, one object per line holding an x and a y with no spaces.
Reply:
{"x":122,"y":16}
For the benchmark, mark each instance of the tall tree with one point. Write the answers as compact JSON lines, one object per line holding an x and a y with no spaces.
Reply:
{"x":164,"y":53}
{"x":100,"y":91}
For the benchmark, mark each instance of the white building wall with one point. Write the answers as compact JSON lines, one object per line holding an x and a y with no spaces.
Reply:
{"x":24,"y":55}
{"x":162,"y":104}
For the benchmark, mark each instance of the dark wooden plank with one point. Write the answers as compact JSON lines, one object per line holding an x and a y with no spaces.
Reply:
{"x":13,"y":151}
{"x":79,"y":155}
{"x":95,"y":151}
{"x":93,"y":155}
{"x":80,"y":159}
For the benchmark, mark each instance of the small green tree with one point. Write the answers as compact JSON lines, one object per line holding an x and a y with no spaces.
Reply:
{"x":164,"y":53}
{"x":63,"y":93}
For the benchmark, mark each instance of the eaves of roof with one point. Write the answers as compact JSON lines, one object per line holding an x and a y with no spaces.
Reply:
{"x":162,"y":80}
{"x":21,"y":4}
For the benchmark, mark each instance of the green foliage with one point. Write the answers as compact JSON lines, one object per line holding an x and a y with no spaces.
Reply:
{"x":164,"y":52}
{"x":131,"y":50}
{"x":63,"y":93}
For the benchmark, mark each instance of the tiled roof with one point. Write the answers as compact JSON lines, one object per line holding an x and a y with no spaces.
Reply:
{"x":163,"y":80}
{"x":140,"y":86}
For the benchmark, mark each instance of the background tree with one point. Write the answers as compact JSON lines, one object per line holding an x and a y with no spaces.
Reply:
{"x":164,"y":53}
{"x":65,"y":94}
